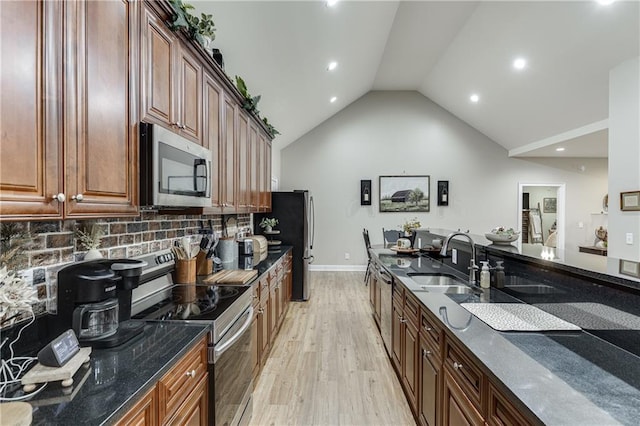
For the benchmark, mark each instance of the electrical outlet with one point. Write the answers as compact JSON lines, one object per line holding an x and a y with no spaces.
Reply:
{"x":629,"y":238}
{"x":454,"y":256}
{"x":347,"y":256}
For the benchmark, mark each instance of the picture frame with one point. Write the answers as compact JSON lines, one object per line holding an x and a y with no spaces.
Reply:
{"x":549,"y":205}
{"x":443,"y":192}
{"x":630,"y":201}
{"x":404,"y":193}
{"x":365,"y":193}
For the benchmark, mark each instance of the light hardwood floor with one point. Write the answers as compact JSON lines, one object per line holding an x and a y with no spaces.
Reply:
{"x":328,"y":365}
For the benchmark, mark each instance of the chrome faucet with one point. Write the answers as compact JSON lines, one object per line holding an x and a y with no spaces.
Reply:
{"x":472,"y":264}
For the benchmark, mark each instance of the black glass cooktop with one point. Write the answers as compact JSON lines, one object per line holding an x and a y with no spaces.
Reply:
{"x":199,"y":302}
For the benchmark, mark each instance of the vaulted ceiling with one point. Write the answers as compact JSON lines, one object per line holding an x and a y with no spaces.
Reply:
{"x":446,"y":50}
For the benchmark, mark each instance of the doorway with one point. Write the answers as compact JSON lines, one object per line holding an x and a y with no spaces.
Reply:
{"x":541,"y":214}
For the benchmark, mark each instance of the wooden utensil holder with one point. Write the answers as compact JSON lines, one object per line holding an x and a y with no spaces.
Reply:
{"x":185,"y":276}
{"x":204,"y":266}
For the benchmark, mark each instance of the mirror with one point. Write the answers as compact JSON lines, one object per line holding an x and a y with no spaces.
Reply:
{"x":541,"y":217}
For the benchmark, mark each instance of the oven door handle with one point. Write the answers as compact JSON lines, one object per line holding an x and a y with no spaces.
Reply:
{"x":220,"y":349}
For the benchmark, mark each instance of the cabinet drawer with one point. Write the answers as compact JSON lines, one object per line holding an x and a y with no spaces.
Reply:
{"x":411,"y":308}
{"x":501,"y":411}
{"x":430,"y":329}
{"x":398,"y":293}
{"x":178,"y":383}
{"x":466,"y":374}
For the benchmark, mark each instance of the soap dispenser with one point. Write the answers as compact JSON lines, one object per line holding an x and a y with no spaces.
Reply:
{"x":499,"y":274}
{"x":485,"y":276}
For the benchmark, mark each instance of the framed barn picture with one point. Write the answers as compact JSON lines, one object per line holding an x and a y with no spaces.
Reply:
{"x":404,"y":193}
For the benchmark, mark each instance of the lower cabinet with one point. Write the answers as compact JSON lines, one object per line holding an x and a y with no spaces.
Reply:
{"x":430,"y":383}
{"x":274,"y":290}
{"x":443,"y":383}
{"x":457,"y":410}
{"x":180,"y":397}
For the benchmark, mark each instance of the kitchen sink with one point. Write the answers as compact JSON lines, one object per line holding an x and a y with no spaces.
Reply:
{"x":446,"y":289}
{"x":434,"y":279}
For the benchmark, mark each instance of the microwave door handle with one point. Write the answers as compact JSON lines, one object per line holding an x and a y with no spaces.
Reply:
{"x":197,"y":163}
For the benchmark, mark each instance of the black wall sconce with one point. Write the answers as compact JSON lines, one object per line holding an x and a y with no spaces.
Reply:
{"x":443,"y":192}
{"x":365,"y":192}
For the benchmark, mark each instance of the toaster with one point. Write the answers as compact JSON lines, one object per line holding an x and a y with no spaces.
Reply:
{"x":245,"y":247}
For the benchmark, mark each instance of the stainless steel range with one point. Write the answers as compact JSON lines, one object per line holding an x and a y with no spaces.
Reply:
{"x":227,"y":311}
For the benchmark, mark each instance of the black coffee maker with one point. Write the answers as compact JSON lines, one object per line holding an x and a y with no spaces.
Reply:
{"x":94,"y":299}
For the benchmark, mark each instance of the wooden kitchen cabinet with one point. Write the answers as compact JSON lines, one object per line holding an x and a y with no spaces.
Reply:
{"x":457,"y":409}
{"x":186,"y":376}
{"x":145,"y":412}
{"x":254,"y":169}
{"x":171,"y":86}
{"x":410,"y":358}
{"x":229,"y":155}
{"x":430,"y":383}
{"x":180,"y":397}
{"x":264,"y":320}
{"x":243,"y":190}
{"x":501,"y":412}
{"x":265,"y":204}
{"x":212,"y":134}
{"x":93,"y":57}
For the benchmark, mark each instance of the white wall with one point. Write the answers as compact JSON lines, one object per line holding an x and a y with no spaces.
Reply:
{"x":624,"y":160}
{"x":395,"y":133}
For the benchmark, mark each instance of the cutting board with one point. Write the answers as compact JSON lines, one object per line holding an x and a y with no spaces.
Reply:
{"x":232,"y":277}
{"x":15,"y":413}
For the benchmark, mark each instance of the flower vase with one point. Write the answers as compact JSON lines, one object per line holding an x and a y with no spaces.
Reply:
{"x":93,"y":254}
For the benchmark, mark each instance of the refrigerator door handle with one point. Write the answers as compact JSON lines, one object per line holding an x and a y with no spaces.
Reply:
{"x":309,"y":259}
{"x":313,"y":221}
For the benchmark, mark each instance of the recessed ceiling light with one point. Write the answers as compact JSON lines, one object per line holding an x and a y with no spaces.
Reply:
{"x":474,"y":98}
{"x":560,"y":149}
{"x":332,"y":100}
{"x":331,"y":3}
{"x":605,"y":2}
{"x":332,"y":65}
{"x":520,"y":63}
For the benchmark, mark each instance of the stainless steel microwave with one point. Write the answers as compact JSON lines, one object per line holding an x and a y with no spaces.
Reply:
{"x":174,"y":172}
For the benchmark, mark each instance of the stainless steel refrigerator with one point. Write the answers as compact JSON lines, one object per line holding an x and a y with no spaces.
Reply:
{"x":294,"y":211}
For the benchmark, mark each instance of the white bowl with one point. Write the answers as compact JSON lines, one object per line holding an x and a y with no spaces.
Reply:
{"x":502,"y":238}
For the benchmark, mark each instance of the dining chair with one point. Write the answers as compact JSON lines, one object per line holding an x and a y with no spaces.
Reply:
{"x":367,"y":246}
{"x":390,"y":236}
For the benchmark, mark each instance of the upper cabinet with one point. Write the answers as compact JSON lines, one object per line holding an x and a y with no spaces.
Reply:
{"x":90,"y":50}
{"x":171,"y":87}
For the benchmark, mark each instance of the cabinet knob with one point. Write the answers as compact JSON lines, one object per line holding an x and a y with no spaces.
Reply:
{"x":191,"y":373}
{"x":402,"y":320}
{"x":427,"y":328}
{"x":59,"y":197}
{"x":426,"y":353}
{"x":457,"y":366}
{"x":78,"y":197}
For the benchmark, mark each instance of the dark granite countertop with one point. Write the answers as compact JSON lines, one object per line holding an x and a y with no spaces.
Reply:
{"x":116,"y":378}
{"x":562,"y":377}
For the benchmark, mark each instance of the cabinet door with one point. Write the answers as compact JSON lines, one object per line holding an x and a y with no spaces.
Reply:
{"x":194,"y":410}
{"x":100,"y":108}
{"x":212,"y":134}
{"x":378,"y":300}
{"x":428,"y":385}
{"x":266,"y":202}
{"x":144,"y":413}
{"x":229,"y":154}
{"x":243,"y":162}
{"x":254,"y":169}
{"x":31,"y":169}
{"x":410,"y":356}
{"x":189,"y":93}
{"x":158,"y":72}
{"x":396,"y":337}
{"x":255,"y":342}
{"x":457,"y":409}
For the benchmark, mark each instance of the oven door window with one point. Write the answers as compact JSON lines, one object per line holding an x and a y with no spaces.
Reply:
{"x":181,"y":173}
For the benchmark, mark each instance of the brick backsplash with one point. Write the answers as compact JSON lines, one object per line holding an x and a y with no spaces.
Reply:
{"x":54,"y":244}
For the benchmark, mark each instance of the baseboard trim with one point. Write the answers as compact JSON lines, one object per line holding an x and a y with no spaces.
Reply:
{"x":349,"y":268}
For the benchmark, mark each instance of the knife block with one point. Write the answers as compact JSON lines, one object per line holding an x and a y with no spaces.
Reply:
{"x":204,"y":266}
